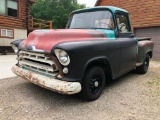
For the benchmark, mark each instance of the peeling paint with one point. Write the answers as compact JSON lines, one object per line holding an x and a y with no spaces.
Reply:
{"x":53,"y":84}
{"x":144,"y":47}
{"x":45,"y":40}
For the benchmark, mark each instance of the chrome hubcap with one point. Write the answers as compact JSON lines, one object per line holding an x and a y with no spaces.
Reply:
{"x":146,"y":63}
{"x":96,"y":84}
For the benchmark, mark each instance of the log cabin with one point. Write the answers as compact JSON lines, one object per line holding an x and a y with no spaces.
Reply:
{"x":16,"y":22}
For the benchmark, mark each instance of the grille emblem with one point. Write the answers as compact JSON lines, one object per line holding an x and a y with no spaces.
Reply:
{"x":33,"y":48}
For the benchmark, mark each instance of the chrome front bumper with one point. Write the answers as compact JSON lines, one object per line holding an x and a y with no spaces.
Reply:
{"x":53,"y":84}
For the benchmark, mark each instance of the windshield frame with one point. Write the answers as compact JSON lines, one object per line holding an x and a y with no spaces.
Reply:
{"x":92,"y":10}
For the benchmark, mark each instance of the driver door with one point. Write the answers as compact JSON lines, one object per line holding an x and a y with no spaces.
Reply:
{"x":128,"y":42}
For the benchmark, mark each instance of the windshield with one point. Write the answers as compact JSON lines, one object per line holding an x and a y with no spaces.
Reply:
{"x":95,"y":19}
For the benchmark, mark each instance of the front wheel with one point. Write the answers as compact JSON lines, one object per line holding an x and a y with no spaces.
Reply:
{"x":144,"y":67}
{"x":93,"y":83}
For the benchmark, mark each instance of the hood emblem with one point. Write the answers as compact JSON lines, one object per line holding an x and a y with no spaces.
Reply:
{"x":33,"y":48}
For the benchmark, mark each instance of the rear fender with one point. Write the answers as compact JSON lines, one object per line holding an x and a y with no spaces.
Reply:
{"x":144,"y":47}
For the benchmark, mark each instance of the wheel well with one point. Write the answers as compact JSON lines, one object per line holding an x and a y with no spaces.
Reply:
{"x":104,"y":64}
{"x":150,"y":54}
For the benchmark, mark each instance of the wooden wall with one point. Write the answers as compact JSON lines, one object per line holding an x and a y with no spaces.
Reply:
{"x":21,"y":20}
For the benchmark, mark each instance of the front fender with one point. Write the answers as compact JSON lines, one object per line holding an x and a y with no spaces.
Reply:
{"x":103,"y":60}
{"x":82,"y":53}
{"x":17,"y":42}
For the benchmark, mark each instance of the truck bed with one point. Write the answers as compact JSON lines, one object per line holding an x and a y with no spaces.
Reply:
{"x":145,"y":46}
{"x":143,"y":38}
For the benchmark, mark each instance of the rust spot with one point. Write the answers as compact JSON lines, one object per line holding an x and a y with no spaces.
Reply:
{"x":58,"y":65}
{"x":54,"y":67}
{"x":48,"y":83}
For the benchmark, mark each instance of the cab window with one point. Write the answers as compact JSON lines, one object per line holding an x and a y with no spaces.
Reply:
{"x":123,"y":23}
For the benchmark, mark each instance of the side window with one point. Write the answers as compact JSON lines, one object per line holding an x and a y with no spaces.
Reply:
{"x":123,"y":23}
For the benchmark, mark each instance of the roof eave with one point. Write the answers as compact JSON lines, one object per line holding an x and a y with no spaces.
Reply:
{"x":97,"y":3}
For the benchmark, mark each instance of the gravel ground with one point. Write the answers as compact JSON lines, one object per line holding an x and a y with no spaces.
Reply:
{"x":131,"y":97}
{"x":6,"y":63}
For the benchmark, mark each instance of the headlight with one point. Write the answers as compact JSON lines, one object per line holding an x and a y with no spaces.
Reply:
{"x":62,"y":56}
{"x":14,"y":48}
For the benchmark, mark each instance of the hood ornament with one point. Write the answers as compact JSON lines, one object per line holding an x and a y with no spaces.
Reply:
{"x":33,"y":48}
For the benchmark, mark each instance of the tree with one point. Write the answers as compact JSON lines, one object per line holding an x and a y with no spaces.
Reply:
{"x":55,"y":10}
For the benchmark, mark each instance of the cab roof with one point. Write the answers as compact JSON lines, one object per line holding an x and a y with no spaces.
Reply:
{"x":111,"y":8}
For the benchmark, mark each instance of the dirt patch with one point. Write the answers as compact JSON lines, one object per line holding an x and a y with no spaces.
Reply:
{"x":131,"y":97}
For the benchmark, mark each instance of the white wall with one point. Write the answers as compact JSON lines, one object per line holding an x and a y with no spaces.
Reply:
{"x":18,"y":34}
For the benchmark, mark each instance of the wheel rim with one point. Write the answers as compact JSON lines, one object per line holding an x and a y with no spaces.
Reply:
{"x":146,"y":63}
{"x":95,"y":83}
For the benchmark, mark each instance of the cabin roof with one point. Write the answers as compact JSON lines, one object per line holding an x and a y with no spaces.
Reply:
{"x":111,"y":8}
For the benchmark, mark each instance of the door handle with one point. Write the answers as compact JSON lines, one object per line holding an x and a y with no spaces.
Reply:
{"x":132,"y":35}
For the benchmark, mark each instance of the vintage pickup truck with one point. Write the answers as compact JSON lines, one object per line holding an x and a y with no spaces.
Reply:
{"x":98,"y":44}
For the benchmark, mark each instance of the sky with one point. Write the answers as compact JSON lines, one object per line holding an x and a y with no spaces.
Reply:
{"x":89,"y":3}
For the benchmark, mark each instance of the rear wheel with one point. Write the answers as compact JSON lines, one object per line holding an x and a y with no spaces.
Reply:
{"x":144,"y":67}
{"x":93,"y":83}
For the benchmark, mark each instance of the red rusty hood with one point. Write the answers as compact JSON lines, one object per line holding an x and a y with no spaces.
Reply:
{"x":46,"y":39}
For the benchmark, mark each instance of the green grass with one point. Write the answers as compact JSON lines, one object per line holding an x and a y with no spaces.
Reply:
{"x":154,"y":86}
{"x":155,"y":81}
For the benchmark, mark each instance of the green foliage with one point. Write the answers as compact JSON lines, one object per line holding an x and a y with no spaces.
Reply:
{"x":55,"y":10}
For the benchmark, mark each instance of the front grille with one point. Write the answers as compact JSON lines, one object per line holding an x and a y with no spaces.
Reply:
{"x":37,"y":62}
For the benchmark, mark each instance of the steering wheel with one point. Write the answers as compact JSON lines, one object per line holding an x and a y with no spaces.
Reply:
{"x":101,"y":23}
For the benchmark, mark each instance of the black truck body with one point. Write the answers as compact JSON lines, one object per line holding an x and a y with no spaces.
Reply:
{"x":97,"y":44}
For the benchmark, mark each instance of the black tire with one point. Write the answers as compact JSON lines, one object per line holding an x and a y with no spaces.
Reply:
{"x":93,"y":83}
{"x":144,"y":67}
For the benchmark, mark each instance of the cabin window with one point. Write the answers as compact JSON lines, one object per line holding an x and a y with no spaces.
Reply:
{"x":9,"y":7}
{"x":12,"y":7}
{"x":2,"y":7}
{"x":123,"y":22}
{"x":7,"y":33}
